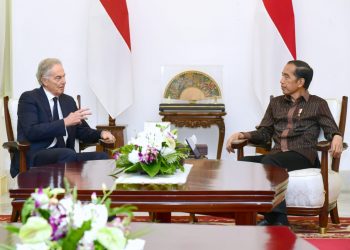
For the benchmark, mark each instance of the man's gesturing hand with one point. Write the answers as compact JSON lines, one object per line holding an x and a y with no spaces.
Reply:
{"x":75,"y":118}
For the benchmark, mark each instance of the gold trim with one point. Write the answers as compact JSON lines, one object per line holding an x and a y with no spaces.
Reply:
{"x":322,"y":230}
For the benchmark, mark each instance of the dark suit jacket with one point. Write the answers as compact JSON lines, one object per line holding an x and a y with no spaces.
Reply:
{"x":35,"y":125}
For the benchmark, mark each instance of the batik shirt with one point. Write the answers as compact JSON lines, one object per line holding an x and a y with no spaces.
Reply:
{"x":295,"y":126}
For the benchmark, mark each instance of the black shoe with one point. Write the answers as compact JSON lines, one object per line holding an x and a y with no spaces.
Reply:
{"x":281,"y":220}
{"x":264,"y":222}
{"x":277,"y":219}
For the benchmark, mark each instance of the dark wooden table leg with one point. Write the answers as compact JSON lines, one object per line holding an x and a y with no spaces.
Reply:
{"x":164,"y":217}
{"x":242,"y":218}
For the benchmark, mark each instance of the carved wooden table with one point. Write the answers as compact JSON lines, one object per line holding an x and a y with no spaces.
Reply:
{"x":221,"y":187}
{"x":198,"y":119}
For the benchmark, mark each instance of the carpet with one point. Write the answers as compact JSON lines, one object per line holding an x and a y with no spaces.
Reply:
{"x":304,"y":227}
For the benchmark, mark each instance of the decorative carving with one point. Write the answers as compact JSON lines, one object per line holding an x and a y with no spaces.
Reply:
{"x":192,"y":85}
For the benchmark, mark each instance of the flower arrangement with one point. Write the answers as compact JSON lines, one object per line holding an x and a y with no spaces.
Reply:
{"x":155,"y":151}
{"x":49,"y":223}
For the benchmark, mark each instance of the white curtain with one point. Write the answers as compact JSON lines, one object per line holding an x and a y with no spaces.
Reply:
{"x":2,"y":38}
{"x":5,"y":48}
{"x":5,"y":82}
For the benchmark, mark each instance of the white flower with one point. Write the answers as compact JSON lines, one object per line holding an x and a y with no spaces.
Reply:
{"x":35,"y":246}
{"x":99,"y":215}
{"x":167,"y":151}
{"x":133,"y":157}
{"x":36,"y":230}
{"x":87,"y":241}
{"x":170,"y":142}
{"x":41,"y":199}
{"x":94,"y":198}
{"x":79,"y":215}
{"x":67,"y":204}
{"x":57,"y":191}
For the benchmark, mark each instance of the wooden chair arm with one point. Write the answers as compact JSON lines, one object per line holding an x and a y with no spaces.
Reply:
{"x":237,"y":144}
{"x":323,"y":146}
{"x":22,"y":148}
{"x":102,"y":145}
{"x":85,"y":145}
{"x":107,"y":146}
{"x":14,"y":145}
{"x":326,"y":145}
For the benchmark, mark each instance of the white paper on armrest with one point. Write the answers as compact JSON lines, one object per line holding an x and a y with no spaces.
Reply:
{"x":136,"y":178}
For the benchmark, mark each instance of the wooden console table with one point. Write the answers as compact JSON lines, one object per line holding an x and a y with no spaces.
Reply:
{"x":198,"y":119}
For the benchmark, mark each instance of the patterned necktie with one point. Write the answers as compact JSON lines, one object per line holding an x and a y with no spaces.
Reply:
{"x":60,"y":141}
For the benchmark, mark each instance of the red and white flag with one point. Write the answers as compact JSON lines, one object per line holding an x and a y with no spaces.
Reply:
{"x":109,"y":55}
{"x":274,"y":45}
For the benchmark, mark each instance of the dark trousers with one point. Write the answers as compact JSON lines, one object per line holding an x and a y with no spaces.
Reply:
{"x":63,"y":155}
{"x":291,"y":161}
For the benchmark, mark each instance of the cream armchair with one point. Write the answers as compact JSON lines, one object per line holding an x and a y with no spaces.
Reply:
{"x":314,"y":191}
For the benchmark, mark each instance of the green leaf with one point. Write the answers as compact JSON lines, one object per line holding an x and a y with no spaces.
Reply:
{"x":167,"y":168}
{"x":98,"y":246}
{"x":151,"y":169}
{"x":171,"y":158}
{"x":12,"y":229}
{"x":4,"y":247}
{"x":28,"y":208}
{"x":125,"y":210}
{"x":74,"y":235}
{"x":123,"y":161}
{"x":112,"y":238}
{"x":126,"y":149}
{"x":44,"y":213}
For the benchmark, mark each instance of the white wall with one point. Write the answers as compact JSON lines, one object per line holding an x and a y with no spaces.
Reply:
{"x":182,"y":32}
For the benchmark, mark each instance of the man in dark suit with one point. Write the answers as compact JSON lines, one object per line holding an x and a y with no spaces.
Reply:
{"x":50,"y":121}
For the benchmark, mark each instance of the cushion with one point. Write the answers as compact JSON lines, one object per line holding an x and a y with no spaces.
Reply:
{"x":335,"y":108}
{"x":305,"y":188}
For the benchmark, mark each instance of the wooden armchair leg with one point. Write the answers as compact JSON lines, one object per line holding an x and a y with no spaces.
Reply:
{"x":334,"y":215}
{"x":193,"y":218}
{"x":323,"y":223}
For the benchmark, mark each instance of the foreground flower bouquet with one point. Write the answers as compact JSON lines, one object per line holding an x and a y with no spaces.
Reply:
{"x":155,"y":151}
{"x":49,"y":223}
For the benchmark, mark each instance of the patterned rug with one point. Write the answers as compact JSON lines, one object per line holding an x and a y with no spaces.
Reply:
{"x":305,"y":227}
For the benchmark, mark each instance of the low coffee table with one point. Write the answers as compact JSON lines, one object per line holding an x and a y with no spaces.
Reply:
{"x":207,"y":237}
{"x":220,"y":187}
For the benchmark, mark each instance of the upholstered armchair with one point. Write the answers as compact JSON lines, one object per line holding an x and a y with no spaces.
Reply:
{"x":313,"y":191}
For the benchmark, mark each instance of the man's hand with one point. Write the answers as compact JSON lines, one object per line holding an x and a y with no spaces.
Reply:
{"x":106,"y":135}
{"x":336,"y":146}
{"x":233,"y":137}
{"x":76,"y":117}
